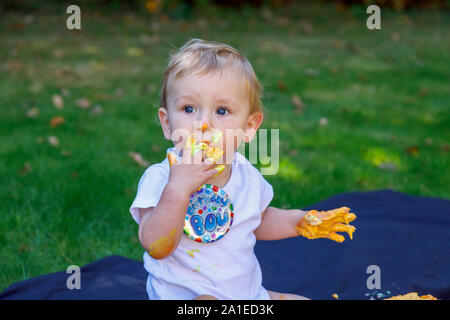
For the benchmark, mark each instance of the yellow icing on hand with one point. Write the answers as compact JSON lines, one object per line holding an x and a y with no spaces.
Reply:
{"x":163,"y":246}
{"x":412,"y":296}
{"x":325,"y":224}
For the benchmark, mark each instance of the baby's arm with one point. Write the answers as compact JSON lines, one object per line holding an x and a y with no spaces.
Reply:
{"x":161,"y":227}
{"x":278,"y":224}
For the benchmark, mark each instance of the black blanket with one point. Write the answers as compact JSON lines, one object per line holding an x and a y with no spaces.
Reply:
{"x":406,"y":237}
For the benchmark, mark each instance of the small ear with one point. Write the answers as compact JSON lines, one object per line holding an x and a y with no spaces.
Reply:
{"x":164,"y":120}
{"x":253,"y":123}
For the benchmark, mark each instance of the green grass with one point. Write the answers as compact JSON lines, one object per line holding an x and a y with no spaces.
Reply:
{"x":384,"y":93}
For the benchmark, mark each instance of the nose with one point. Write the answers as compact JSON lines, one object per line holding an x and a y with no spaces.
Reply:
{"x":202,"y":125}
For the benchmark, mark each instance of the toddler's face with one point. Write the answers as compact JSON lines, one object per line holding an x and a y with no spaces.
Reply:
{"x":218,"y":100}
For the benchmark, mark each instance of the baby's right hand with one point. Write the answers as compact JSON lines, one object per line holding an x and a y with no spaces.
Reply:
{"x":190,"y":172}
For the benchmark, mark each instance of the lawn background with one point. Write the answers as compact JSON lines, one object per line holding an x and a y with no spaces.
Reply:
{"x":375,"y":115}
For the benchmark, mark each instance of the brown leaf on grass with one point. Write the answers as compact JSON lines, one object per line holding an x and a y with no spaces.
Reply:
{"x":58,"y":53}
{"x":153,"y":6}
{"x":282,"y":85}
{"x":323,"y":121}
{"x":83,"y":103}
{"x":395,"y":36}
{"x":137,"y":157}
{"x":413,"y":150}
{"x":35,"y":87}
{"x":97,"y":110}
{"x":66,"y":153}
{"x":312,"y":72}
{"x":58,"y":101}
{"x":101,"y":96}
{"x":26,"y":168}
{"x":53,"y":141}
{"x":40,"y":140}
{"x":33,"y":112}
{"x":56,"y":121}
{"x":65,"y":92}
{"x":24,"y":247}
{"x":156,"y":148}
{"x":298,"y":103}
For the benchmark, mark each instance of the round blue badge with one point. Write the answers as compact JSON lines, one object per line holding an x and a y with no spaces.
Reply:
{"x":210,"y":212}
{"x":209,"y":215}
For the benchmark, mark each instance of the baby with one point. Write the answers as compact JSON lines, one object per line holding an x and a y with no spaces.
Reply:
{"x":210,"y":88}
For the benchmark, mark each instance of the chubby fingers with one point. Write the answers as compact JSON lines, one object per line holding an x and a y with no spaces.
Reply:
{"x":342,"y":215}
{"x":345,"y":228}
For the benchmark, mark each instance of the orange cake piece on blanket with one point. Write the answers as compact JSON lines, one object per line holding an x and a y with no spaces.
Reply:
{"x":412,"y":296}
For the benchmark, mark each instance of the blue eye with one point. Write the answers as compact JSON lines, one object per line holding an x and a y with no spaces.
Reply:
{"x":222,"y":113}
{"x":189,"y":109}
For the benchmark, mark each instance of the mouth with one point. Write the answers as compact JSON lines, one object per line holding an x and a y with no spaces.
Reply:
{"x":209,"y":147}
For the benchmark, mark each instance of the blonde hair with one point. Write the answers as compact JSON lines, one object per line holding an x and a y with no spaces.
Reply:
{"x":199,"y":56}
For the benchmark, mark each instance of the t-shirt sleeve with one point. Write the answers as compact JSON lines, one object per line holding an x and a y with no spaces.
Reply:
{"x":150,"y":188}
{"x":266,"y":194}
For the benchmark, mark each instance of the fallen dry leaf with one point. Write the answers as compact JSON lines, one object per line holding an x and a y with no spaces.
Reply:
{"x":153,"y":6}
{"x":156,"y":148}
{"x":413,"y":150}
{"x":281,"y":85}
{"x":33,"y":112}
{"x":312,"y":72}
{"x":97,"y":110}
{"x":58,"y":101}
{"x":83,"y":103}
{"x":40,"y":140}
{"x":65,"y":92}
{"x":35,"y":87}
{"x":137,"y":157}
{"x":323,"y":121}
{"x":395,"y":37}
{"x":58,"y":53}
{"x":298,"y":103}
{"x":66,"y":153}
{"x":26,"y":168}
{"x":57,"y":121}
{"x":53,"y":141}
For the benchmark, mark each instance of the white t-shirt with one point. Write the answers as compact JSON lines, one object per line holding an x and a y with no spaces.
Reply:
{"x":227,"y":268}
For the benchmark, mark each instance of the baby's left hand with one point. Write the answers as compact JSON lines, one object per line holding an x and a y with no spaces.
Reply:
{"x":325,"y":224}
